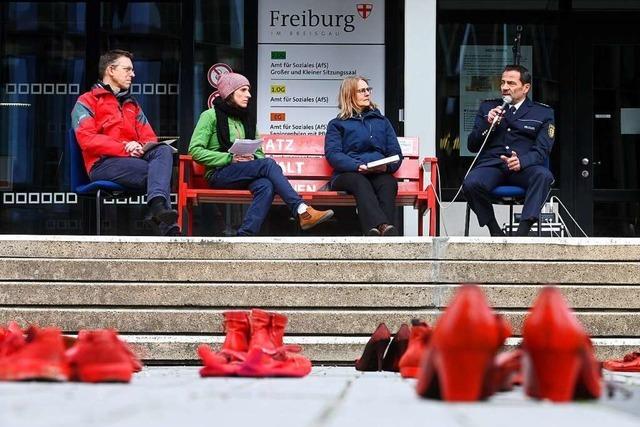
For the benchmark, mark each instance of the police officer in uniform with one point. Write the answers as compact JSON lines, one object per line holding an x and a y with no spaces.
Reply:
{"x":515,"y":152}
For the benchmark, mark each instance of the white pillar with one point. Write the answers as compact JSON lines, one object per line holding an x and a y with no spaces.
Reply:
{"x":420,"y":29}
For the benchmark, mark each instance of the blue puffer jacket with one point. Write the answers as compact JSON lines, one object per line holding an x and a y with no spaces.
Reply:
{"x":363,"y":138}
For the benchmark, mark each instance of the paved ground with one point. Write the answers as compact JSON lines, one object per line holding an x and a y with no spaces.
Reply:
{"x":330,"y":396}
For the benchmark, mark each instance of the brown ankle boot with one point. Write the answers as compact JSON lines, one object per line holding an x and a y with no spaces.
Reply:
{"x":312,"y":217}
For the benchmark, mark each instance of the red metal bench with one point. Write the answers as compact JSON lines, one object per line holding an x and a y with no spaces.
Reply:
{"x":302,"y":160}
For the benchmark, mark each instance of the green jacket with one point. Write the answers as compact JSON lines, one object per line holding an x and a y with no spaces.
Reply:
{"x":205,"y":147}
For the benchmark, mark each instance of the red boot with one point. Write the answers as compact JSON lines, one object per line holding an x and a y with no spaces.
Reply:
{"x":458,"y":361}
{"x":40,"y":358}
{"x":409,"y":364}
{"x":371,"y":359}
{"x":236,"y":326}
{"x":559,"y":360}
{"x":396,"y":350}
{"x":278,"y":324}
{"x":100,"y":356}
{"x":261,"y":330}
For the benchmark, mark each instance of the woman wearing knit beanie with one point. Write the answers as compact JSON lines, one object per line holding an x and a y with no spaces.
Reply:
{"x":214,"y":134}
{"x":359,"y":135}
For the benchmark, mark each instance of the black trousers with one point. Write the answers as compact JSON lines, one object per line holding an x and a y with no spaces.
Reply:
{"x":375,"y":196}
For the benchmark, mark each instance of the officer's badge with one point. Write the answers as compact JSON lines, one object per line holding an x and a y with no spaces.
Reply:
{"x":552,"y":131}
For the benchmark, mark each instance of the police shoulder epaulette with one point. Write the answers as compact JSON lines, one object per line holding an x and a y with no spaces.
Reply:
{"x":542,"y":104}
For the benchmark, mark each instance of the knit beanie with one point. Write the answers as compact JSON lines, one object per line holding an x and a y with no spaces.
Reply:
{"x":229,"y":82}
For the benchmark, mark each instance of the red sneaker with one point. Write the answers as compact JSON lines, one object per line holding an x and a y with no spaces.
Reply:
{"x":40,"y":357}
{"x":100,"y":356}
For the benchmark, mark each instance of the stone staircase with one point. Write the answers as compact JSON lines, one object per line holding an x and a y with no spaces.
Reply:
{"x":166,"y":295}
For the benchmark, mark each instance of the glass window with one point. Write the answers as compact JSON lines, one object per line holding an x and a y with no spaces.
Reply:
{"x":498,"y":4}
{"x":457,"y":41}
{"x":42,"y":68}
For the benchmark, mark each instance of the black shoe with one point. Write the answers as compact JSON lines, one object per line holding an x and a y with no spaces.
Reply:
{"x":160,"y":213}
{"x":387,"y":230}
{"x":174,"y":231}
{"x":374,"y":232}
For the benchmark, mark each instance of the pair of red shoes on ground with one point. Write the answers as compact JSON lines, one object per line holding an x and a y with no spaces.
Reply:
{"x":459,"y":363}
{"x":403,"y":351}
{"x":45,"y":354}
{"x":253,"y":347}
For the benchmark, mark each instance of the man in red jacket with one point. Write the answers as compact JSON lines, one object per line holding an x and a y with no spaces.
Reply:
{"x":111,"y":129}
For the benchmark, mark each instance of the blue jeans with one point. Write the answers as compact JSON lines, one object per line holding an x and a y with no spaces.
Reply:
{"x":150,"y":173}
{"x":264,"y":178}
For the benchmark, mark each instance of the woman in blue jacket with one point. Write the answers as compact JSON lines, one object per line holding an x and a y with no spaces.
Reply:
{"x":359,"y":135}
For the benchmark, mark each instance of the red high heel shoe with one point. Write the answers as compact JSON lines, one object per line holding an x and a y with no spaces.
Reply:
{"x":409,"y":363}
{"x":458,"y":362}
{"x":371,"y":359}
{"x":559,"y":362}
{"x":396,"y":350}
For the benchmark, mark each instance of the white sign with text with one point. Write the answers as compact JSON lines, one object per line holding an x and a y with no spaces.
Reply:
{"x":305,"y":49}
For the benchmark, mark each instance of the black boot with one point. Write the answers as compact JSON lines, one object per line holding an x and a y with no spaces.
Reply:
{"x":160,"y":213}
{"x":494,"y":229}
{"x":524,"y":227}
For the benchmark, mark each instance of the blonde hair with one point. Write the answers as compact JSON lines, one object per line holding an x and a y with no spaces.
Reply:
{"x":347,"y":96}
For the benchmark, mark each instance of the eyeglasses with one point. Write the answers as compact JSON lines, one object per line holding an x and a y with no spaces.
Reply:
{"x":128,"y":70}
{"x":365,"y":89}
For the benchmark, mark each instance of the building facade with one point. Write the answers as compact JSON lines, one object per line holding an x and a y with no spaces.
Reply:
{"x":433,"y":59}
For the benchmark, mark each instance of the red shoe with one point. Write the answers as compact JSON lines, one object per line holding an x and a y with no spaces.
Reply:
{"x":261,"y":330}
{"x":629,"y":363}
{"x":260,"y":363}
{"x":11,"y":339}
{"x":458,"y":361}
{"x":507,"y":371}
{"x":396,"y":350}
{"x":216,"y":364}
{"x":40,"y":358}
{"x":99,"y":356}
{"x":237,"y":328}
{"x":371,"y":359}
{"x":559,"y":362}
{"x":409,"y":363}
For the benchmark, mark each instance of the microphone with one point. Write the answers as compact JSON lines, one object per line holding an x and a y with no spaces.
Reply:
{"x":506,"y":100}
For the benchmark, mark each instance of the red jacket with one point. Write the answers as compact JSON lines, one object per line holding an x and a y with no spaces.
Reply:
{"x":103,"y":126}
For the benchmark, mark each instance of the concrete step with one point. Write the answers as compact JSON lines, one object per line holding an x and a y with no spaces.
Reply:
{"x":320,"y":271}
{"x":344,"y":349}
{"x":301,"y":322}
{"x":272,"y":295}
{"x":301,"y":248}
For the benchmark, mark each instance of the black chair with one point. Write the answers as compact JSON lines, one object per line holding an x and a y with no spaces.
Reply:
{"x":507,"y":195}
{"x":81,"y":184}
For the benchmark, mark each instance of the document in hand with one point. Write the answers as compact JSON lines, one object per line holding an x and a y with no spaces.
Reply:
{"x":385,"y":161}
{"x":242,"y":147}
{"x":149,"y":145}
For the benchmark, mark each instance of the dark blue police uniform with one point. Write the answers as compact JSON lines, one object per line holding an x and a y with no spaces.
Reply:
{"x":530,"y":132}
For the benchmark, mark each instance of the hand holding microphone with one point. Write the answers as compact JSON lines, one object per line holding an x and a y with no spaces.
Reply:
{"x":495,"y":115}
